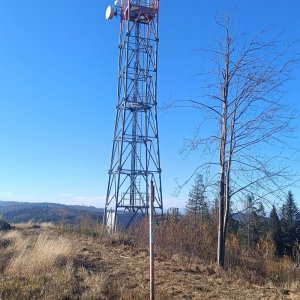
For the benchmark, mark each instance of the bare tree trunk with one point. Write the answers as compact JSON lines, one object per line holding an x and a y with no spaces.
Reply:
{"x":223,"y":201}
{"x":221,"y":244}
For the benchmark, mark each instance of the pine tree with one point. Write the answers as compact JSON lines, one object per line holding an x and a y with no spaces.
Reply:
{"x":252,"y":226}
{"x":290,"y":223}
{"x":197,"y":204}
{"x":275,"y":232}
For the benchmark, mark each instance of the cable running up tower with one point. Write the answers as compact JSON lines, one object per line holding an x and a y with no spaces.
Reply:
{"x":135,"y":158}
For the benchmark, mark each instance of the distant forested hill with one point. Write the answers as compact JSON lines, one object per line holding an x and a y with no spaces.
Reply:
{"x":19,"y":212}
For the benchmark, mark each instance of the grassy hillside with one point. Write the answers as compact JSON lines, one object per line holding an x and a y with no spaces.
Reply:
{"x":82,"y":262}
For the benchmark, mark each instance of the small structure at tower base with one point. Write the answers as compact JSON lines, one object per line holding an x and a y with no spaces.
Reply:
{"x":122,"y":220}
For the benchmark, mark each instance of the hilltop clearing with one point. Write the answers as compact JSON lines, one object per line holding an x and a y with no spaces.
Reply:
{"x":51,"y":262}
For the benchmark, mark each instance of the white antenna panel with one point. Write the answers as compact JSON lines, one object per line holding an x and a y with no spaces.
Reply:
{"x":109,"y":13}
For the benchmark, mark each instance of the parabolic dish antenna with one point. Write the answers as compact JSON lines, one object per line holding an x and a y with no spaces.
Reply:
{"x":109,"y":13}
{"x":116,"y":2}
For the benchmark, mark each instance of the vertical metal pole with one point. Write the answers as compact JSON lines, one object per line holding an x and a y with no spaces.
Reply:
{"x":151,"y":242}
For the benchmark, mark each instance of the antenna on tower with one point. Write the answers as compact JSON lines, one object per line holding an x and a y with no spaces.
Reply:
{"x":110,"y":12}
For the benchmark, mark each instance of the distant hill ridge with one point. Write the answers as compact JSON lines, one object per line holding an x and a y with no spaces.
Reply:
{"x":19,"y":212}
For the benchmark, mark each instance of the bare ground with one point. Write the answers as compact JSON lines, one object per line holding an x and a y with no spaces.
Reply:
{"x":129,"y":269}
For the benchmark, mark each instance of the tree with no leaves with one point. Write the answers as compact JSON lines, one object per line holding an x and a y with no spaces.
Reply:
{"x":243,"y":102}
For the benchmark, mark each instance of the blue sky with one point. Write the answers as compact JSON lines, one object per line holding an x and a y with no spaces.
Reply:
{"x":58,"y":78}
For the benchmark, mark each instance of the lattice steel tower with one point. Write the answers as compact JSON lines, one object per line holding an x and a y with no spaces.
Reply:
{"x":135,"y":158}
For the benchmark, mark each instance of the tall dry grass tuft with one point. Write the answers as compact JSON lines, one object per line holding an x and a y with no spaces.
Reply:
{"x":12,"y":235}
{"x":99,"y":286}
{"x":40,"y":256}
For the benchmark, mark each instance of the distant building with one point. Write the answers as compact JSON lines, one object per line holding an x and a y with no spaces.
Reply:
{"x":173,"y":211}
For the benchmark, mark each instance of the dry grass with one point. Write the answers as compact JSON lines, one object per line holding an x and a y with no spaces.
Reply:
{"x":40,"y":255}
{"x":194,"y":243}
{"x":46,"y":262}
{"x":35,"y":264}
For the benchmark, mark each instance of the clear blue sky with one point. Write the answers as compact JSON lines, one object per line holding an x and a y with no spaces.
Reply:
{"x":58,"y":77}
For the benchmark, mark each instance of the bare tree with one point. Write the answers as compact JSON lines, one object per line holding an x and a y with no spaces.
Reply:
{"x":243,"y":100}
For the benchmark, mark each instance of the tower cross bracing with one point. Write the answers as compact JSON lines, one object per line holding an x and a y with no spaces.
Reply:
{"x":135,"y":156}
